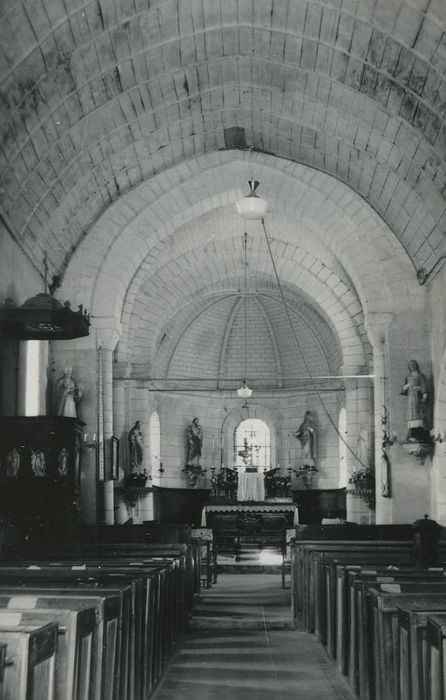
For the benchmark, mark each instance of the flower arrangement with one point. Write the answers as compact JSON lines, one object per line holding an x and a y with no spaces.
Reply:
{"x":363,"y":481}
{"x":276,"y":484}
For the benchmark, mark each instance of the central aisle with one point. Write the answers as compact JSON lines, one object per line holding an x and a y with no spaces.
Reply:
{"x":242,"y":646}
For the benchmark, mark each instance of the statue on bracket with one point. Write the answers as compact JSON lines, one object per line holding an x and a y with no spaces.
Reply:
{"x":415,"y":388}
{"x":194,"y":441}
{"x":68,"y":393}
{"x":136,"y":448}
{"x":306,"y":434}
{"x":13,"y":464}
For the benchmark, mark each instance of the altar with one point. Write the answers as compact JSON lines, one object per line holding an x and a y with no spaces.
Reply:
{"x":288,"y":510}
{"x":251,"y":486}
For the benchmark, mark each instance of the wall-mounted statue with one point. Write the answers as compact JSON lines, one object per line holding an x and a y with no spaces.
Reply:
{"x":13,"y":464}
{"x":415,"y":388}
{"x":136,"y":447}
{"x":68,"y":394}
{"x":194,"y":442}
{"x":306,"y":434}
{"x":62,"y":462}
{"x":38,"y":463}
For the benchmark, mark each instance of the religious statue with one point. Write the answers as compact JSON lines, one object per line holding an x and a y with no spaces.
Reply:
{"x":306,"y":434}
{"x":62,"y":462}
{"x":194,"y":441}
{"x":415,"y":388}
{"x":38,"y":464}
{"x":68,"y":394}
{"x":13,"y":464}
{"x":136,"y":447}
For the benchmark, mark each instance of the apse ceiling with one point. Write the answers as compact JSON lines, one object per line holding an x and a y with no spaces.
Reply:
{"x":224,"y":336}
{"x":98,"y":97}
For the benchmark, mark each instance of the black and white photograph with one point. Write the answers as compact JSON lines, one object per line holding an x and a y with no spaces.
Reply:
{"x":222,"y":349}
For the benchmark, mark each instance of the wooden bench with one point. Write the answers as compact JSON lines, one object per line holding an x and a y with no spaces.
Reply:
{"x":162,"y":627}
{"x":385,"y":600}
{"x":154,"y":587}
{"x":308,"y":579}
{"x":345,"y":620}
{"x":137,"y":665}
{"x":436,"y":666}
{"x":73,"y":664}
{"x":412,"y":624}
{"x":29,"y":672}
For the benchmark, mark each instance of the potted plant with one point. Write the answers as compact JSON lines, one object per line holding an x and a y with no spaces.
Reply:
{"x":363,"y":481}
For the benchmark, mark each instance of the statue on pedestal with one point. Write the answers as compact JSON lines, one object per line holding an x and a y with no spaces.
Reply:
{"x":194,"y":442}
{"x":415,"y":388}
{"x":306,"y":434}
{"x":68,"y":394}
{"x":136,"y":448}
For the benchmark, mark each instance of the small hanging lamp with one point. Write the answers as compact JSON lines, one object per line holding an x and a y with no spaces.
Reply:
{"x":252,"y":206}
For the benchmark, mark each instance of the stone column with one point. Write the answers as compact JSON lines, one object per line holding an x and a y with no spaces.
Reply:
{"x":377,"y":328}
{"x":96,"y":499}
{"x":359,"y":410}
{"x":107,"y":336}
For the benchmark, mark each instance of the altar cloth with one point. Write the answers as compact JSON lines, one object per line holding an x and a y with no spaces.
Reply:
{"x":251,"y":486}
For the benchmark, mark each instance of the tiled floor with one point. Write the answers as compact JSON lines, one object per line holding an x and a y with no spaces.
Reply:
{"x":244,"y":648}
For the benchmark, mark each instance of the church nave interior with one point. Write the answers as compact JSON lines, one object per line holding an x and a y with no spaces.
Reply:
{"x":222,"y":349}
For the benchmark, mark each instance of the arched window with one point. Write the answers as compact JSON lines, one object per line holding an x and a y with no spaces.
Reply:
{"x":155,"y":441}
{"x":342,"y":427}
{"x":252,"y":444}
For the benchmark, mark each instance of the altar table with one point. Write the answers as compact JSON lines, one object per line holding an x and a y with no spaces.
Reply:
{"x":289,"y":509}
{"x":251,"y":486}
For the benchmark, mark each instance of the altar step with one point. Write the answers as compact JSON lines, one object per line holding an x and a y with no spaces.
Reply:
{"x":251,"y":560}
{"x":240,"y":568}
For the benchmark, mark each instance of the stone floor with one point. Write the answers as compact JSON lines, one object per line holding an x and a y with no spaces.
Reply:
{"x":242,"y":646}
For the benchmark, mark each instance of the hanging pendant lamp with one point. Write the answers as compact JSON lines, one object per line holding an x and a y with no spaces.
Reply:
{"x":252,"y":206}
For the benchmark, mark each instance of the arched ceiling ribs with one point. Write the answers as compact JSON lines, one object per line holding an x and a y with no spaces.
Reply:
{"x":274,"y":342}
{"x":224,"y":347}
{"x":121,"y":242}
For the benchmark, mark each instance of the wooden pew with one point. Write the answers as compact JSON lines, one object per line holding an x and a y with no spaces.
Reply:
{"x":109,"y":664}
{"x":167,"y":622}
{"x":76,"y":628}
{"x":436,"y":663}
{"x":31,"y":660}
{"x":384,"y":601}
{"x":131,"y":658}
{"x":332,"y":594}
{"x":308,"y":581}
{"x":165,"y":582}
{"x":3,"y":648}
{"x":413,"y":648}
{"x":346,"y":621}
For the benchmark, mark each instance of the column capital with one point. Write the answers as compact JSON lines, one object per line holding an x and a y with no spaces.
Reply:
{"x":376,"y":324}
{"x":106,"y":331}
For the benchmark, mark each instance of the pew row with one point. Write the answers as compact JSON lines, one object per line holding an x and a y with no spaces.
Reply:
{"x":368,"y":602}
{"x":124,"y":655}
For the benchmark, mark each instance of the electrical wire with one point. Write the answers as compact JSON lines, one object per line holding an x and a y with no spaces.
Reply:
{"x":290,"y":320}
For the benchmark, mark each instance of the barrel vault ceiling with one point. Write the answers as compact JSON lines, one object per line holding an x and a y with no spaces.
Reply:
{"x":99,"y":97}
